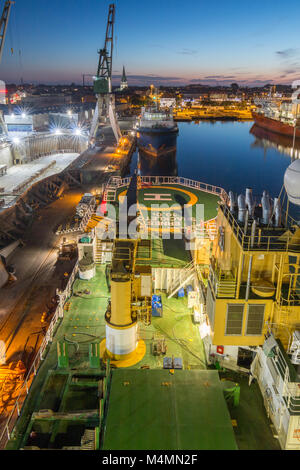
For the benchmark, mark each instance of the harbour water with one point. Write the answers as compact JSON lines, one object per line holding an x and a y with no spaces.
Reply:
{"x":227,"y":154}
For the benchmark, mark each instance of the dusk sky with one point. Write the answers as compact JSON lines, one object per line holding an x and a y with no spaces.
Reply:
{"x":158,"y":41}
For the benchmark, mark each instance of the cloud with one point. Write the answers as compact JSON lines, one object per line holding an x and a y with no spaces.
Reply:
{"x":145,"y":80}
{"x":225,"y":81}
{"x":287,"y":53}
{"x":221,"y":77}
{"x":289,"y":71}
{"x":149,"y":77}
{"x":186,"y":51}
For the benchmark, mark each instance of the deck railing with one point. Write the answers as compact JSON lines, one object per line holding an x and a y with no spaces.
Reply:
{"x":117,"y":182}
{"x":24,"y":391}
{"x":291,"y":390}
{"x":223,"y":282}
{"x":261,"y":242}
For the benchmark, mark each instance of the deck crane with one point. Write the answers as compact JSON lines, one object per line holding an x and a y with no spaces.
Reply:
{"x":105,"y":106}
{"x":4,"y":23}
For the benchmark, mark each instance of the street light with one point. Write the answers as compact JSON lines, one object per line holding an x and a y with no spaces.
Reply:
{"x":77,"y":131}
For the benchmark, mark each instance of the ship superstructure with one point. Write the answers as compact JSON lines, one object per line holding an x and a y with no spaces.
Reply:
{"x":253,"y":300}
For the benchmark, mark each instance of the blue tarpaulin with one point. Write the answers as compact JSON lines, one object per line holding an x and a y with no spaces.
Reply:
{"x":156,"y":306}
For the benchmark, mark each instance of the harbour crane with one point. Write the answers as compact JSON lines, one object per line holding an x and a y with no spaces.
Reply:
{"x":105,"y":106}
{"x":4,"y":23}
{"x":3,"y":27}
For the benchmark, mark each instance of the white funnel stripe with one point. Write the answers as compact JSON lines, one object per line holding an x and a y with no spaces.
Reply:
{"x":121,"y":342}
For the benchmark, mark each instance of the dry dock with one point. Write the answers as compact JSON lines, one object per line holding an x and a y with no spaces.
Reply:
{"x":37,"y":269}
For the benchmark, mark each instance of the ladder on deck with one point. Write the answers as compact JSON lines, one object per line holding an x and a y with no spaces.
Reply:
{"x":225,"y":283}
{"x":88,"y":440}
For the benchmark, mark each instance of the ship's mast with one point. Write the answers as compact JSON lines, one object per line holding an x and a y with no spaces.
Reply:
{"x":4,"y":23}
{"x":105,"y":106}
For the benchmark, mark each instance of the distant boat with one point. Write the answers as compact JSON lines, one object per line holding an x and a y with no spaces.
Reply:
{"x":156,"y":131}
{"x":279,"y":118}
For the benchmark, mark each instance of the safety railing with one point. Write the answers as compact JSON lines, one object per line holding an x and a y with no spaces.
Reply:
{"x":291,"y":295}
{"x":25,"y":389}
{"x":261,"y":242}
{"x":223,"y":282}
{"x":291,"y":389}
{"x":116,"y":182}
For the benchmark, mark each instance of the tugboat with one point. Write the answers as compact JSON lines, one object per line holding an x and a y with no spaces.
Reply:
{"x":156,"y":131}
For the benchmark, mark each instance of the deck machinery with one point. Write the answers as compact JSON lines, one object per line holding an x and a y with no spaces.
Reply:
{"x":132,"y":283}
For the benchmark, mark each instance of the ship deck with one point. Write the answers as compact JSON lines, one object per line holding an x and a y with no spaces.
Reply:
{"x":82,"y":324}
{"x":158,"y":409}
{"x":199,"y":421}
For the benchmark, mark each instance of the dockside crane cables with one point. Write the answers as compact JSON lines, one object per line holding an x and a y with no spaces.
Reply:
{"x":3,"y":24}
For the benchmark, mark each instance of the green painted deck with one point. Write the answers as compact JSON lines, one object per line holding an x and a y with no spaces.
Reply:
{"x":168,"y":254}
{"x":155,"y":410}
{"x":253,"y":429}
{"x":83,"y":323}
{"x":188,"y":415}
{"x":176,"y":195}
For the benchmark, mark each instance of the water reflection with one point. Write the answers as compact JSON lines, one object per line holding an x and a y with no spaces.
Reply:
{"x":163,"y":165}
{"x":266,"y":139}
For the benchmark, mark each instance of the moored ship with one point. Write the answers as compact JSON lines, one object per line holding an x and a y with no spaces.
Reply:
{"x":282,"y":119}
{"x":156,"y":131}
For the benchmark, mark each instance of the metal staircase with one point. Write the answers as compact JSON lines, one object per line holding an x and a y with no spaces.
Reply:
{"x":180,"y":278}
{"x":88,"y":440}
{"x":283,"y":326}
{"x":109,"y":195}
{"x":98,"y":254}
{"x":110,"y":191}
{"x":224,"y":283}
{"x":102,"y":248}
{"x":93,"y":222}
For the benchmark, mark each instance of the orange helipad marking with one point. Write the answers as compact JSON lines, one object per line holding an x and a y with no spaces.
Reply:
{"x":193,"y":198}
